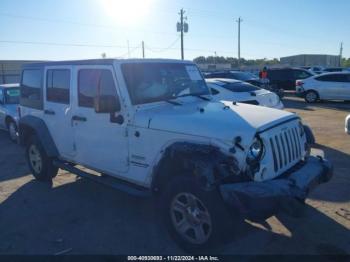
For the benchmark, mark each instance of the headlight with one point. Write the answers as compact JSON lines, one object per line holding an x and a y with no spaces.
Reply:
{"x":301,"y":129}
{"x":256,"y":151}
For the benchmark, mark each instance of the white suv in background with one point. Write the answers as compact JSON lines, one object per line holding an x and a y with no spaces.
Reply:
{"x":329,"y":86}
{"x":152,"y":128}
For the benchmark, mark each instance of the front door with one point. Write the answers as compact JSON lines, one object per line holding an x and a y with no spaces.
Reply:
{"x":101,"y":143}
{"x":58,"y":108}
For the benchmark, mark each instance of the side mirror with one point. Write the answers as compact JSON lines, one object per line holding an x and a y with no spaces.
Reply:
{"x":106,"y":104}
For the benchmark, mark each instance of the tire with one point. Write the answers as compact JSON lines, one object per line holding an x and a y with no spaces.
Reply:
{"x":13,"y":131}
{"x":195,"y":218}
{"x":311,"y":96}
{"x":39,"y":163}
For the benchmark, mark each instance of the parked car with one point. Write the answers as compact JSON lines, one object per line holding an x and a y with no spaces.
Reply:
{"x":333,"y":69}
{"x":316,"y":70}
{"x":233,"y":90}
{"x":329,"y":86}
{"x":9,"y":100}
{"x":347,"y":124}
{"x":153,"y":129}
{"x":236,"y":75}
{"x":284,"y":78}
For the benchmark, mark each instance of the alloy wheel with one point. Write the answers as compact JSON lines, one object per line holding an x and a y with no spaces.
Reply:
{"x":35,"y":159}
{"x":191,"y":218}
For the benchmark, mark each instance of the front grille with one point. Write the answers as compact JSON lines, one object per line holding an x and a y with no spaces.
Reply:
{"x":286,"y":148}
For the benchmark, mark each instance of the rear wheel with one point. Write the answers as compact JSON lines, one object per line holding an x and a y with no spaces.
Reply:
{"x":195,"y":218}
{"x":311,"y":96}
{"x":39,"y":163}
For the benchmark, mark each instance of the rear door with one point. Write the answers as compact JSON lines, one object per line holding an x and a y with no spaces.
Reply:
{"x":101,"y":143}
{"x":346,"y":87}
{"x":58,"y":108}
{"x":330,"y":86}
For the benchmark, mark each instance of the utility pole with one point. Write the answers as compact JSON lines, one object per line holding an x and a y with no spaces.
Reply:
{"x":341,"y":54}
{"x":182,"y":27}
{"x":143,"y":49}
{"x":239,"y":21}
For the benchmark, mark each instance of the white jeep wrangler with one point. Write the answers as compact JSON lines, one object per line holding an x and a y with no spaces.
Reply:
{"x":150,"y":128}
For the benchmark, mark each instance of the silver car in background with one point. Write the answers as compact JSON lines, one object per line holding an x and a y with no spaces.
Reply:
{"x":9,"y":100}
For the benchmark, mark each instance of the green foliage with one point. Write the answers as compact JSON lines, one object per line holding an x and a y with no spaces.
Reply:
{"x":234,"y":61}
{"x":346,"y":62}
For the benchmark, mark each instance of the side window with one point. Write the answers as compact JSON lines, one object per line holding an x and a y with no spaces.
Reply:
{"x":92,"y":81}
{"x":300,"y":74}
{"x":1,"y":97}
{"x":31,"y":88}
{"x":332,"y":78}
{"x":58,"y":85}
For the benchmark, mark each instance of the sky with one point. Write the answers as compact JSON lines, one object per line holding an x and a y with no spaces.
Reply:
{"x":83,"y":29}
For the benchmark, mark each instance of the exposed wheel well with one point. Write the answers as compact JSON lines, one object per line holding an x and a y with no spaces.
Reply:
{"x":26,"y":133}
{"x":206,"y":163}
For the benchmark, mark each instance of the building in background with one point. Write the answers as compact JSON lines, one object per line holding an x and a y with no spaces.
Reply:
{"x":311,"y":60}
{"x":10,"y":70}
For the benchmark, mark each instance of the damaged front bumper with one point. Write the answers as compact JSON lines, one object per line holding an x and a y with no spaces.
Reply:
{"x":257,"y":200}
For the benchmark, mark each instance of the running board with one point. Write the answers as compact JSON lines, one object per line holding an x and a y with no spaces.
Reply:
{"x":106,"y":180}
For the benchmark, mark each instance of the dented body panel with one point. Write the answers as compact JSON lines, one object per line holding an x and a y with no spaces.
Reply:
{"x":259,"y":199}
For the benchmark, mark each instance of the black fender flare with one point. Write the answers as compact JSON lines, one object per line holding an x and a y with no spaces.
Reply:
{"x":207,"y":163}
{"x":310,"y":138}
{"x":29,"y":125}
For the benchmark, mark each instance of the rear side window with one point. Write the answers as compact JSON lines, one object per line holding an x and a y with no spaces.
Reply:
{"x":31,"y":88}
{"x":333,"y":78}
{"x":301,"y":74}
{"x":279,"y":75}
{"x":90,"y":80}
{"x":58,"y":85}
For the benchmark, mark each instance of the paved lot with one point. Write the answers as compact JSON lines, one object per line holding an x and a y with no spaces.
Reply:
{"x":80,"y":217}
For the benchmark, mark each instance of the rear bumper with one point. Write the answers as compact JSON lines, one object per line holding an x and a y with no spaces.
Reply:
{"x":257,"y":199}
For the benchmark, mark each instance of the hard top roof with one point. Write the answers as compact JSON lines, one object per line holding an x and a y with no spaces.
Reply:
{"x":9,"y":85}
{"x":103,"y":62}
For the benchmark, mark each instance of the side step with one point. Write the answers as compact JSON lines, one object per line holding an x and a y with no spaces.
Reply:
{"x":109,"y":181}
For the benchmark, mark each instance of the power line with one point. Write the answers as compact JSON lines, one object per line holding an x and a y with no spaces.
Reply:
{"x":154,"y":49}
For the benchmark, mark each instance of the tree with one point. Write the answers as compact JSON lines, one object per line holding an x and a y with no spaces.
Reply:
{"x":234,"y":61}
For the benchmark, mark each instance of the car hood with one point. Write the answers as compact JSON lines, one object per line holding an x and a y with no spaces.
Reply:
{"x":216,"y":120}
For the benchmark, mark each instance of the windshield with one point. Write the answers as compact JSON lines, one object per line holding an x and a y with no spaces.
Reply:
{"x":243,"y":76}
{"x":241,"y":87}
{"x":12,"y":96}
{"x":153,"y":82}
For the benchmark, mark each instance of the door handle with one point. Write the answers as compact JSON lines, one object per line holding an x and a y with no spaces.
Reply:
{"x":49,"y":112}
{"x":79,"y":118}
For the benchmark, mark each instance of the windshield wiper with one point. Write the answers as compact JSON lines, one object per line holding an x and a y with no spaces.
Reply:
{"x":197,"y":95}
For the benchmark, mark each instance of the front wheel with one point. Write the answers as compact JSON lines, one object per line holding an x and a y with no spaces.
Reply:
{"x":311,"y":97}
{"x":39,"y":163}
{"x":195,"y":218}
